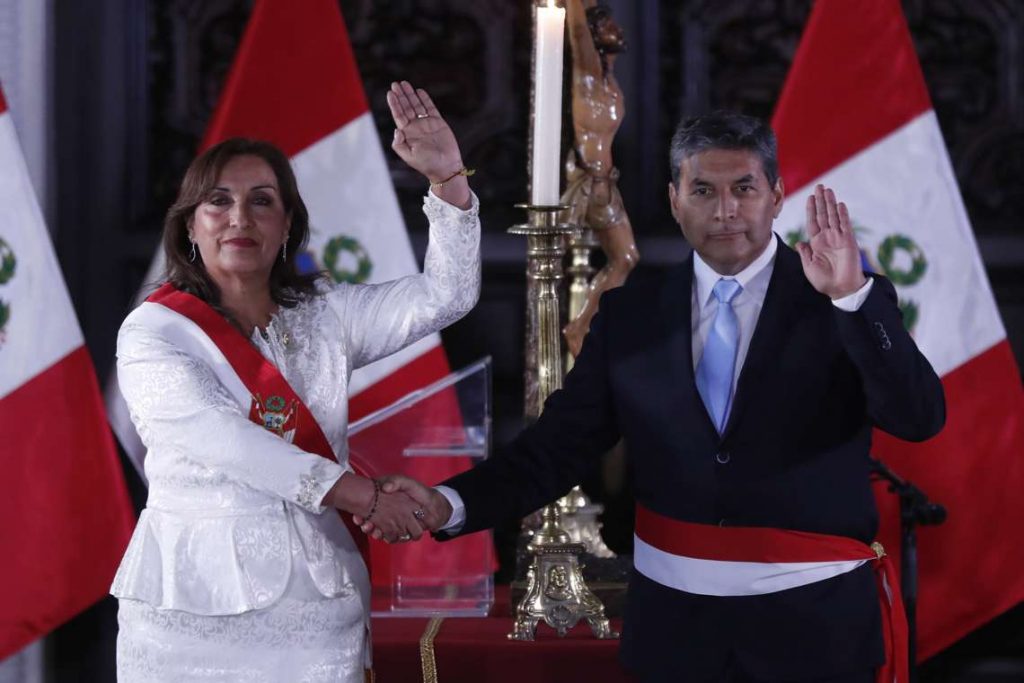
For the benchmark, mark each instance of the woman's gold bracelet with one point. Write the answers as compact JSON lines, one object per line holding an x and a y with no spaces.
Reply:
{"x":462,"y":171}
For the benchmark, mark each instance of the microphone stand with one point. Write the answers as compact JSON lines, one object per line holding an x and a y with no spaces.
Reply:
{"x":915,"y":509}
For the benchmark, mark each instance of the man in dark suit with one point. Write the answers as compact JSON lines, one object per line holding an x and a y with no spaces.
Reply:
{"x":746,"y":384}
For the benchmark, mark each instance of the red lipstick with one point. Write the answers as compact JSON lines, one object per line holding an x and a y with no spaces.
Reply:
{"x":241,"y":242}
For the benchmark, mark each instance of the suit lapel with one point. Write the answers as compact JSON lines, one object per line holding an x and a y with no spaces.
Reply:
{"x":772,"y":330}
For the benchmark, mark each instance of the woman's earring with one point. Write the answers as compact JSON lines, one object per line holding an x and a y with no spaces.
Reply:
{"x":192,"y":254}
{"x":284,"y":251}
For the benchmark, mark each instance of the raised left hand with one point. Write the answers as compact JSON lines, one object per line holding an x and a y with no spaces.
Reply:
{"x":422,"y":138}
{"x":830,"y":257}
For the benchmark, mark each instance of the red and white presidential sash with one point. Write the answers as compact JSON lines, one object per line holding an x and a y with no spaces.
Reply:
{"x":257,"y":385}
{"x":730,"y":561}
{"x":271,"y":401}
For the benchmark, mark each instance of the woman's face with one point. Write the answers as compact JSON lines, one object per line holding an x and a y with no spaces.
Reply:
{"x":241,"y":225}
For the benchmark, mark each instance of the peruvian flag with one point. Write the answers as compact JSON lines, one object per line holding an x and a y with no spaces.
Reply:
{"x":65,"y":516}
{"x":855,"y":115}
{"x":294,"y":82}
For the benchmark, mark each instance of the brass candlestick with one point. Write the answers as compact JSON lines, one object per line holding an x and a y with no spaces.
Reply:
{"x":556,"y":591}
{"x":545,"y":251}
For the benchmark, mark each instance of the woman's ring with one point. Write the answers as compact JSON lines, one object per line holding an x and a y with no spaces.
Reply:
{"x":423,"y":116}
{"x":419,"y":514}
{"x":405,"y":537}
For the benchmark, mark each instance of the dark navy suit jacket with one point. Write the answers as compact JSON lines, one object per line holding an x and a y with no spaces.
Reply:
{"x":794,"y":455}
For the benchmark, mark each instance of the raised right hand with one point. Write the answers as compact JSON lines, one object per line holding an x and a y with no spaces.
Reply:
{"x":830,"y":256}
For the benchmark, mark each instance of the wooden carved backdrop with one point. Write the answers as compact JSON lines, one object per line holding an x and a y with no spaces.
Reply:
{"x":474,"y":54}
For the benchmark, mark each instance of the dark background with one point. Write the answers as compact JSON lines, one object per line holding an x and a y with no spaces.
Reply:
{"x":136,"y":81}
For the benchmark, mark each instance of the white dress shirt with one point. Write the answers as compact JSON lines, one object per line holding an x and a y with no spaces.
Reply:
{"x":703,"y":305}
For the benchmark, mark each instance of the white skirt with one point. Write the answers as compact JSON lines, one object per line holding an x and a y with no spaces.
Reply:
{"x":303,"y":637}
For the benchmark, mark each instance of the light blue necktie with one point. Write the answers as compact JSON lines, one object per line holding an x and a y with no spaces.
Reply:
{"x":718,"y":362}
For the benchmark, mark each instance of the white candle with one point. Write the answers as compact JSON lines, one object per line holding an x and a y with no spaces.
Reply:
{"x":547,"y":104}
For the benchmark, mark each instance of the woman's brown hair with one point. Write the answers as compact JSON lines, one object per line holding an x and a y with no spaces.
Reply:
{"x":287,"y":286}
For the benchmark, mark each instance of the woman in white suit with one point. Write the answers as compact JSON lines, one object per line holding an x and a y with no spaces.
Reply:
{"x":236,"y":375}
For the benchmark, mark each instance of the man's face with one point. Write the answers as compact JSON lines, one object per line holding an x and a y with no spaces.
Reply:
{"x":725,"y":207}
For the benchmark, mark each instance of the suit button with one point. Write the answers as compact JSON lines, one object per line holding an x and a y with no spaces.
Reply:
{"x":723,"y":458}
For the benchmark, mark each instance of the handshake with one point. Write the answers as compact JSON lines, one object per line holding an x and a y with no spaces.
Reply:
{"x":394,"y":509}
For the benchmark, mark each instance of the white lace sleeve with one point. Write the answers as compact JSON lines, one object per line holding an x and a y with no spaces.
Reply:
{"x":179,"y":407}
{"x":383,"y":318}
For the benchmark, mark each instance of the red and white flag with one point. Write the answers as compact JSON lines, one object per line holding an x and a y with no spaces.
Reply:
{"x":294,"y":82}
{"x":65,"y":516}
{"x":855,"y":115}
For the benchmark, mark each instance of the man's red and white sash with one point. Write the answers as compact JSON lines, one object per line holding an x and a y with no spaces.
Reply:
{"x":728,"y":561}
{"x":731,"y":561}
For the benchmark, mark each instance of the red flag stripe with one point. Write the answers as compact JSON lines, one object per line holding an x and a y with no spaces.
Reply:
{"x":854,"y":80}
{"x":971,"y":467}
{"x":416,"y":374}
{"x":294,"y":80}
{"x":68,"y":519}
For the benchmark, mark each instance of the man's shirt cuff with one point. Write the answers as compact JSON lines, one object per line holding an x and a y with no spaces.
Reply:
{"x":458,"y":517}
{"x":852,"y":302}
